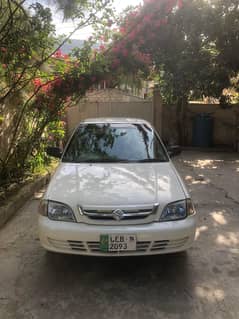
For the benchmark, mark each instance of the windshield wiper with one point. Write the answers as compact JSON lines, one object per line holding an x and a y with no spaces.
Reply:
{"x":152,"y":160}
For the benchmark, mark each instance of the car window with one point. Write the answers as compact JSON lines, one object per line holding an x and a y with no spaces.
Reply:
{"x":114,"y":143}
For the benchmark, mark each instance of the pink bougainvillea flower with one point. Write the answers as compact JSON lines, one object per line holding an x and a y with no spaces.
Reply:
{"x":169,"y":5}
{"x":132,"y":35}
{"x":57,"y":82}
{"x":133,"y":14}
{"x":147,"y":19}
{"x":4,"y":66}
{"x":115,"y":63}
{"x":125,"y":52}
{"x":139,"y":28}
{"x":37,"y":82}
{"x":180,"y":3}
{"x":46,"y":88}
{"x":142,"y":57}
{"x":141,"y":41}
{"x":58,"y":54}
{"x":115,"y":49}
{"x":122,"y":30}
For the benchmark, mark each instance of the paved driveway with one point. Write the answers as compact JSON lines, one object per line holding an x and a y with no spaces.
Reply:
{"x":204,"y":283}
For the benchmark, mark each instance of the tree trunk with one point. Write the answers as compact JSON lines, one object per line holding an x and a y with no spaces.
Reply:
{"x":181,"y":119}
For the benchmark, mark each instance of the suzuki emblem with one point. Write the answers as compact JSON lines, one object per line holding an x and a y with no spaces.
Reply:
{"x":118,"y":214}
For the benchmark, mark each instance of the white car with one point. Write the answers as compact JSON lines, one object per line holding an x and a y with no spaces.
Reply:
{"x":116,"y":193}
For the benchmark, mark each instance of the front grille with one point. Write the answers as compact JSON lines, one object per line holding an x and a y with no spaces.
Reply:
{"x":168,"y":244}
{"x":68,"y":245}
{"x":119,"y":214}
{"x":77,"y":245}
{"x":141,"y":246}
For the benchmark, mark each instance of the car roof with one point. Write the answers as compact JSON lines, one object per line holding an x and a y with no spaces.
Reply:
{"x":115,"y":120}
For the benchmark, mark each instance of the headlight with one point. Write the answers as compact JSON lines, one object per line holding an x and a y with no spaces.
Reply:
{"x":177,"y":210}
{"x":56,"y":211}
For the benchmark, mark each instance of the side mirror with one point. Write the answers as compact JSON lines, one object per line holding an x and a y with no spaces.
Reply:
{"x":54,"y":151}
{"x":174,"y":150}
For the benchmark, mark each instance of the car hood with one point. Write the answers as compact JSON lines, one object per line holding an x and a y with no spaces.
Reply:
{"x":113,"y":185}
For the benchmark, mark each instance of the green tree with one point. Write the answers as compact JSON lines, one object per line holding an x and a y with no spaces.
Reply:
{"x":222,"y":27}
{"x":35,"y":78}
{"x":197,"y":53}
{"x":193,"y":48}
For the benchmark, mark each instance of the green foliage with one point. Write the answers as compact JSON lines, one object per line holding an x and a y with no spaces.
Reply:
{"x":26,"y":40}
{"x":192,"y":51}
{"x":55,"y":132}
{"x":186,"y":58}
{"x":40,"y":78}
{"x":26,"y":37}
{"x":38,"y":159}
{"x":222,"y":27}
{"x":194,"y":47}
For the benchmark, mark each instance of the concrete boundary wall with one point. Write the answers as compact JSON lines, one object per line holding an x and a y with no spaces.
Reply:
{"x":16,"y":201}
{"x":164,"y":118}
{"x":225,"y":128}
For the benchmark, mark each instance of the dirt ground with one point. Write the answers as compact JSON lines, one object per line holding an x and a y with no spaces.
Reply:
{"x":204,"y":283}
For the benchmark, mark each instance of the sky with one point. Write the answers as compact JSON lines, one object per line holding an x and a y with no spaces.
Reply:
{"x":67,"y":27}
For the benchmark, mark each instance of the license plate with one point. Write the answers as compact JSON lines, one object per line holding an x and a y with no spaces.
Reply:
{"x":117,"y":242}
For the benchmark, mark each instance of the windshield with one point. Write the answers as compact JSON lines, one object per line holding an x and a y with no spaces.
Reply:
{"x":114,"y":143}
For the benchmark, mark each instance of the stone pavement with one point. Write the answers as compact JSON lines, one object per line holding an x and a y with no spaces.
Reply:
{"x":201,"y":284}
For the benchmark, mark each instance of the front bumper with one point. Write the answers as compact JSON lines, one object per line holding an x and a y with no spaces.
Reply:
{"x":82,"y":239}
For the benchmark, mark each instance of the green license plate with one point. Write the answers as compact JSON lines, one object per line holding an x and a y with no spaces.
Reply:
{"x":117,"y":242}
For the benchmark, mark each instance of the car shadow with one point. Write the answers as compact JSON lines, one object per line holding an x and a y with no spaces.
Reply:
{"x":118,"y":268}
{"x":140,"y":283}
{"x":142,"y":271}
